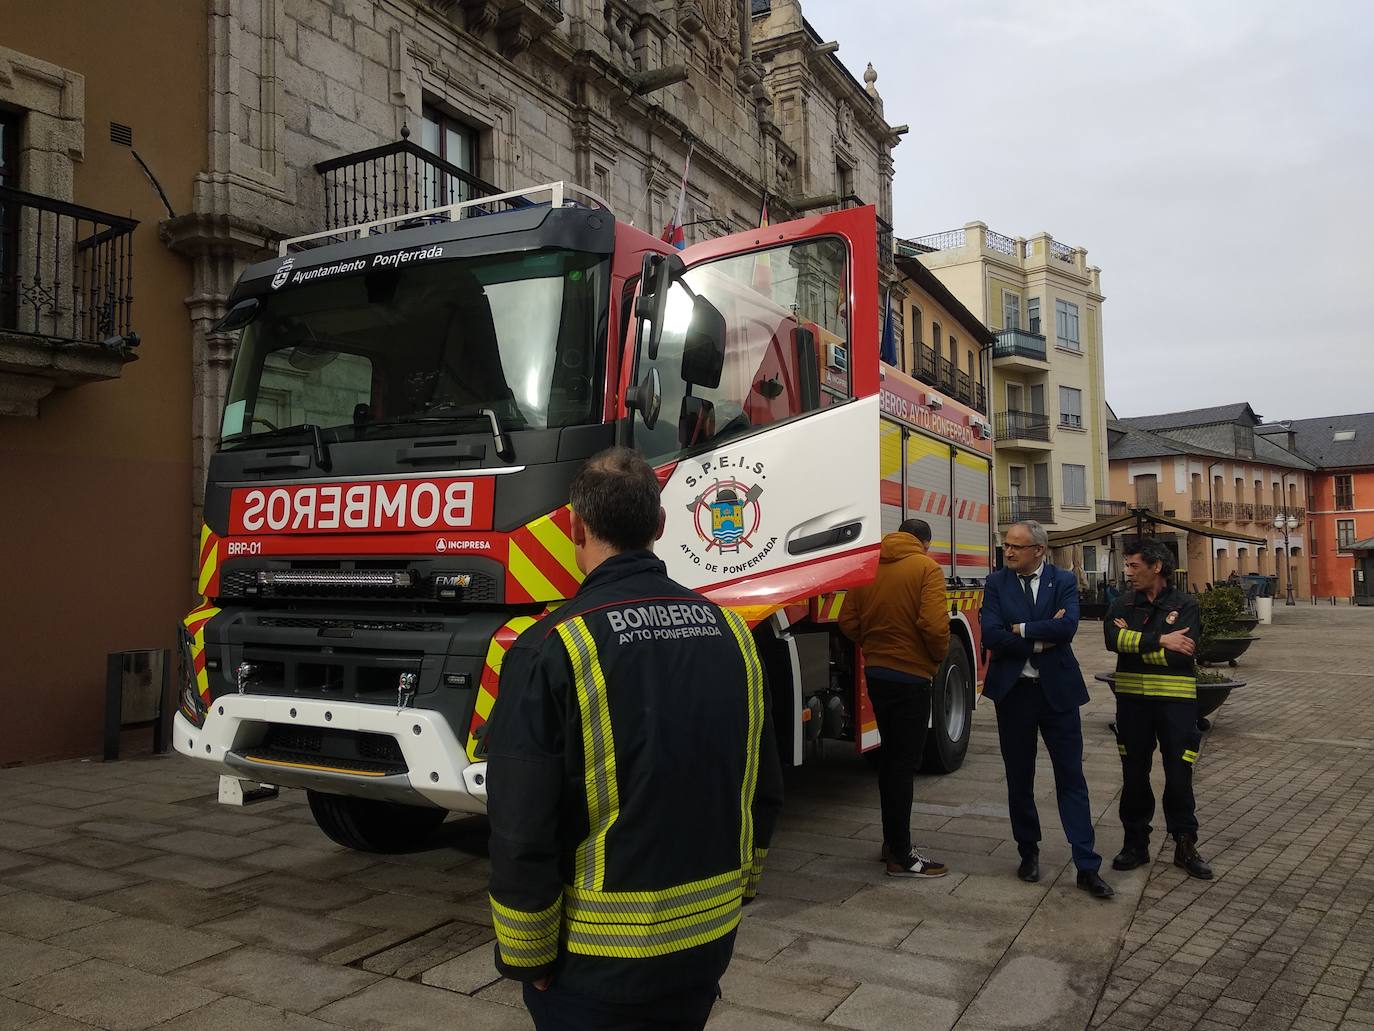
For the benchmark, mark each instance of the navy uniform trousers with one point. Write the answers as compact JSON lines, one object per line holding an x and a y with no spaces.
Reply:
{"x":1023,"y":716}
{"x":1140,"y":722}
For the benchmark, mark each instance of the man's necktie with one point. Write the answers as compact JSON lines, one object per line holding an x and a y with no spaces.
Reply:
{"x":1030,"y":595}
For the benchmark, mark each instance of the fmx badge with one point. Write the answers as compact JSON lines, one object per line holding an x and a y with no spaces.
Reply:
{"x":727,"y":515}
{"x":283,"y":273}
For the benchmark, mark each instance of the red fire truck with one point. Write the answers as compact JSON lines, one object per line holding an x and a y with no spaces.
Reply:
{"x":387,"y":507}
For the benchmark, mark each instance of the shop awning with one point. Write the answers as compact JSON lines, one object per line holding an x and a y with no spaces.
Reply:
{"x":1131,"y":518}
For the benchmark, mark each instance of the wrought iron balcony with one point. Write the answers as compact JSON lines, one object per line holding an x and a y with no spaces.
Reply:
{"x":66,"y":271}
{"x":395,"y":180}
{"x":1245,"y":511}
{"x":1224,"y":510}
{"x":944,"y":376}
{"x":1202,"y":509}
{"x":1104,"y":509}
{"x":927,"y":365}
{"x":66,"y":297}
{"x":1022,"y":507}
{"x":1023,"y":426}
{"x":1147,"y":497}
{"x":1264,"y":513}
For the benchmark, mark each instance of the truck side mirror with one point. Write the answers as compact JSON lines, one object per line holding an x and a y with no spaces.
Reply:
{"x":647,"y":398}
{"x":696,"y":421}
{"x":703,"y":350}
{"x":655,"y":278}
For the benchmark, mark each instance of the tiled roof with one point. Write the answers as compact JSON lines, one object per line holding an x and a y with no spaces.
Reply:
{"x":1240,"y":412}
{"x":1315,"y":439}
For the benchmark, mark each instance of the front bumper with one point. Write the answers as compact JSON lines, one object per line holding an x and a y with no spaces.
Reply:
{"x":438,"y":771}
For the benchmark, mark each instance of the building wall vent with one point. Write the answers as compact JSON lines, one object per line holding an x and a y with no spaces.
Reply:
{"x":121,"y":135}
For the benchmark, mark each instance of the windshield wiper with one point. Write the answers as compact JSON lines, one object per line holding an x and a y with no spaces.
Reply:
{"x":322,"y":459}
{"x":488,"y":414}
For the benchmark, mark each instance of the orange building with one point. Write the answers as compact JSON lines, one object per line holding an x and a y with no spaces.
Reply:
{"x":1219,"y":467}
{"x":1340,"y":501}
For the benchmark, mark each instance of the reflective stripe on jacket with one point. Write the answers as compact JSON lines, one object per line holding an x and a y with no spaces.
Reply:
{"x":1143,"y":668}
{"x":633,"y":786}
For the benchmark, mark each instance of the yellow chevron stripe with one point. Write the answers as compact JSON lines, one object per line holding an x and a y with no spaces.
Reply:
{"x":557,"y":543}
{"x":527,"y":574}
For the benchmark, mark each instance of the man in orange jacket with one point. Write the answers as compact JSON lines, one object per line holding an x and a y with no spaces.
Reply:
{"x":901,"y":623}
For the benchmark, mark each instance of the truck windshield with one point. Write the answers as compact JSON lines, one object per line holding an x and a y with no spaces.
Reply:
{"x":521,"y":335}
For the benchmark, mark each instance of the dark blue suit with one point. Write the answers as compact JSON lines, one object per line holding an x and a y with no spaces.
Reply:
{"x":1047,"y":707}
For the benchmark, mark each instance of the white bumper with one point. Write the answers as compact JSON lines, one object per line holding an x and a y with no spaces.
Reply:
{"x":439,"y":770}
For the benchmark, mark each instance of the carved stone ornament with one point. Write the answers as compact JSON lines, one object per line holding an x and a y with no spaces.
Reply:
{"x":722,"y":19}
{"x":844,"y":121}
{"x":481,"y":15}
{"x":690,"y":17}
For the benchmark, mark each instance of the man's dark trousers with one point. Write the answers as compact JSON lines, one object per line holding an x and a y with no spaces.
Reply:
{"x":1140,"y":722}
{"x":557,"y":1010}
{"x":1021,"y":715}
{"x":901,"y":705}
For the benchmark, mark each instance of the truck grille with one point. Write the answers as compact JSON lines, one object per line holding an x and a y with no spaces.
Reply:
{"x":334,"y":750}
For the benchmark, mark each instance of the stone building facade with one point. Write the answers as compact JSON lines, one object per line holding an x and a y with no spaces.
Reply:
{"x":605,"y":93}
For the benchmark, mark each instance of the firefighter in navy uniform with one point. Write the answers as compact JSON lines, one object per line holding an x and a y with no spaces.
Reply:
{"x":1154,"y":630}
{"x":633,"y":780}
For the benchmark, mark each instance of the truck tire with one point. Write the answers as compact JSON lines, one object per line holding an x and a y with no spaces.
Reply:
{"x":951,"y":712}
{"x":367,"y":825}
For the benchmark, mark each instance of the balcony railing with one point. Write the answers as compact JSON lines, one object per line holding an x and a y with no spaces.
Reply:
{"x":1224,"y":510}
{"x":394,"y":180}
{"x":1264,"y":513}
{"x":945,"y":377}
{"x":949,"y":376}
{"x":1022,"y":507}
{"x":1019,"y":343}
{"x":1202,"y":509}
{"x":1023,"y":426}
{"x":66,"y":271}
{"x":885,"y":254}
{"x":1245,"y":512}
{"x":927,"y":365}
{"x":1104,"y":509}
{"x":1147,"y":498}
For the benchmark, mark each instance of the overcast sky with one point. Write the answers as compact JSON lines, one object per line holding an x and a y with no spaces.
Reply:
{"x":1215,"y":157}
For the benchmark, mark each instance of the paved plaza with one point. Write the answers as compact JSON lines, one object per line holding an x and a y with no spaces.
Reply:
{"x":129,"y":898}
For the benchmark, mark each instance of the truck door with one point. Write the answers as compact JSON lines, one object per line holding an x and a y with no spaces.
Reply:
{"x":770,"y":457}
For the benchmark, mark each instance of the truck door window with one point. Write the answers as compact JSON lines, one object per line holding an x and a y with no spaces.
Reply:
{"x":786,"y":346}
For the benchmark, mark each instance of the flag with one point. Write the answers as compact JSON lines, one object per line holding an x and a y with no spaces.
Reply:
{"x":672,"y":232}
{"x":889,"y":348}
{"x":763,"y":211}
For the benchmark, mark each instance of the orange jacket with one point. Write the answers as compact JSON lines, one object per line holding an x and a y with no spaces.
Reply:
{"x":901,"y":620}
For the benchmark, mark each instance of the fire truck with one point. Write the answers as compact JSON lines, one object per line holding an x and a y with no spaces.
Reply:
{"x":386,"y":510}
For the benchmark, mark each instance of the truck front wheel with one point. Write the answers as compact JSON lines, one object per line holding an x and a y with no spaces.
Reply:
{"x":367,"y":825}
{"x":951,"y":712}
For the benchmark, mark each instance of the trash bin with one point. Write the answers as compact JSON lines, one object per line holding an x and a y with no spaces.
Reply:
{"x":1264,"y":608}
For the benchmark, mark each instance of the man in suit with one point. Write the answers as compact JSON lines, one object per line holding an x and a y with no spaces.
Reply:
{"x":1029,"y":617}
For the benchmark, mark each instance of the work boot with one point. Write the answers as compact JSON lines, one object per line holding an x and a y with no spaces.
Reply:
{"x":1131,"y":856}
{"x":1186,"y":858}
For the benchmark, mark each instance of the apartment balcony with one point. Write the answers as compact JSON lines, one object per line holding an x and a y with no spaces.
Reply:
{"x":1245,"y":512}
{"x":1029,"y":431}
{"x":1019,"y":349}
{"x":1264,"y":514}
{"x":1224,"y":511}
{"x":1103,"y":509}
{"x":66,"y":297}
{"x":944,"y":376}
{"x":1023,"y":507}
{"x":1147,"y":499}
{"x":1202,"y":509}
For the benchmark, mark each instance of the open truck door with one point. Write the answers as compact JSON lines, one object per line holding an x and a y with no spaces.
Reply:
{"x":753,"y":386}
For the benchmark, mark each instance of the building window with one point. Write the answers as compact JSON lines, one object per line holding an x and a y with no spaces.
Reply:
{"x":1345,"y":493}
{"x":1033,"y":314}
{"x":1345,"y":534}
{"x":455,"y":143}
{"x":915,"y":325}
{"x":1075,"y":486}
{"x":9,"y":149}
{"x":1146,"y":491}
{"x":1071,"y":407}
{"x":844,"y":179}
{"x":1066,"y":325}
{"x":1011,"y":310}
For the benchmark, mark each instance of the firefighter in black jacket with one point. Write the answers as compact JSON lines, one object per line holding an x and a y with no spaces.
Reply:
{"x":633,"y":780}
{"x":1154,"y":630}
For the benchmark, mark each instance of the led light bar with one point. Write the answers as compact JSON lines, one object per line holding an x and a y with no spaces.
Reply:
{"x":334,"y":578}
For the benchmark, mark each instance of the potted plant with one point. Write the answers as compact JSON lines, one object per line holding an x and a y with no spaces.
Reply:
{"x":1225,"y":637}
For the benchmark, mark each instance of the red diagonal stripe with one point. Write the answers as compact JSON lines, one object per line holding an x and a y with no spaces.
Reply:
{"x":207,"y":548}
{"x":552,"y":569}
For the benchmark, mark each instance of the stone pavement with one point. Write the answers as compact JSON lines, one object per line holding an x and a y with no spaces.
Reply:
{"x":129,"y":898}
{"x":1284,"y":936}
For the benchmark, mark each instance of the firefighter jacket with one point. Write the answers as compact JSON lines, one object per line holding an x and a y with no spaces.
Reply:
{"x":633,"y":785}
{"x":1143,"y":668}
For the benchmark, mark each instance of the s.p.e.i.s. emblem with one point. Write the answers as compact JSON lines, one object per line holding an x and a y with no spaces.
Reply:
{"x":727,"y":515}
{"x":283,"y":273}
{"x":1172,"y":617}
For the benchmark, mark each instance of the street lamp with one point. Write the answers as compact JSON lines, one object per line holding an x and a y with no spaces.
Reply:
{"x":1286,"y":522}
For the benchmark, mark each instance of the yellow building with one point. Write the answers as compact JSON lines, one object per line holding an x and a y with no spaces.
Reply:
{"x":1044,"y":303}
